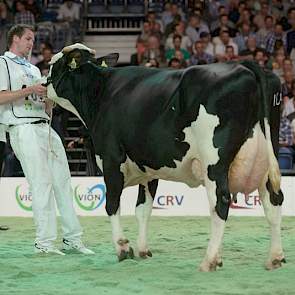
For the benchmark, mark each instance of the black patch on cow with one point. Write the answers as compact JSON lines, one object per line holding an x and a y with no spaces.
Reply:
{"x":275,"y":199}
{"x":152,"y":187}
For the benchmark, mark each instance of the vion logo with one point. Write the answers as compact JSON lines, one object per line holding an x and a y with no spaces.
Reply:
{"x":91,"y":198}
{"x":23,"y":198}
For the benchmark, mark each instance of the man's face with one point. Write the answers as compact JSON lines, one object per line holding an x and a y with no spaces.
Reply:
{"x":24,"y":44}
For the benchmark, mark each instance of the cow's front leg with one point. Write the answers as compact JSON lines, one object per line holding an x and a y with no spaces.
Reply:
{"x":114,"y":181}
{"x":213,"y":254}
{"x":272,"y":209}
{"x":143,"y":212}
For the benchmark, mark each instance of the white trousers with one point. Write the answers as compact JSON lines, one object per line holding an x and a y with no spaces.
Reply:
{"x":49,"y":178}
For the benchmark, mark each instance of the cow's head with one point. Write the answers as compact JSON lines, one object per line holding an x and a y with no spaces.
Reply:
{"x":72,"y":62}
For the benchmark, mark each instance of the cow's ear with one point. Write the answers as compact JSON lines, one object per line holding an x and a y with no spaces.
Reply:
{"x":109,"y":60}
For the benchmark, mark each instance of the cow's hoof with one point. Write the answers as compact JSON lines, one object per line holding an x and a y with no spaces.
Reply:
{"x":220,"y":263}
{"x":208,"y":266}
{"x":145,"y":254}
{"x":275,"y":263}
{"x":126,"y":254}
{"x":122,"y":242}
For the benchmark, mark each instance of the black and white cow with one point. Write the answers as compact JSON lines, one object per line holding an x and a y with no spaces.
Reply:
{"x":205,"y":125}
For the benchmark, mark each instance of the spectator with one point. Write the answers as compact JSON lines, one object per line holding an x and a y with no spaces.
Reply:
{"x":179,"y":29}
{"x":285,"y":135}
{"x":245,"y":17}
{"x":170,"y":53}
{"x":242,"y":36}
{"x":224,"y":24}
{"x":152,"y":20}
{"x":146,"y":32}
{"x":154,"y":51}
{"x":220,"y":48}
{"x":180,"y":57}
{"x":229,"y":54}
{"x":34,"y":8}
{"x":259,"y":18}
{"x":250,"y":50}
{"x":23,"y":16}
{"x":69,"y":16}
{"x":137,"y":58}
{"x":195,"y":28}
{"x":289,"y":104}
{"x":291,"y":38}
{"x":215,"y":23}
{"x":174,"y":63}
{"x":200,"y":57}
{"x":260,"y":57}
{"x":172,"y":11}
{"x":287,"y":84}
{"x":3,"y":14}
{"x":264,"y":31}
{"x":277,"y":63}
{"x":208,"y":45}
{"x":43,"y":65}
{"x":276,"y":39}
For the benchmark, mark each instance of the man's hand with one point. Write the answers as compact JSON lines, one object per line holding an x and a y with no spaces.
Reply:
{"x":39,"y":90}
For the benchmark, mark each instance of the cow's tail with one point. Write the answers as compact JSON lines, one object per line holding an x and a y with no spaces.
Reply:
{"x":274,"y":174}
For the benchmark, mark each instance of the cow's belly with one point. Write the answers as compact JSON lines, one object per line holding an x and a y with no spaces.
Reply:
{"x":182,"y":173}
{"x":250,"y":164}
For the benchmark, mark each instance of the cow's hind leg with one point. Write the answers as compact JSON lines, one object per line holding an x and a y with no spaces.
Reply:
{"x":272,"y":208}
{"x":114,"y":183}
{"x":213,"y":254}
{"x":143,"y":212}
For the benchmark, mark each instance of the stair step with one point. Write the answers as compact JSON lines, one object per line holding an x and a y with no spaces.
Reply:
{"x":77,"y":161}
{"x":69,"y":150}
{"x":78,"y":173}
{"x":70,"y":138}
{"x":73,"y":128}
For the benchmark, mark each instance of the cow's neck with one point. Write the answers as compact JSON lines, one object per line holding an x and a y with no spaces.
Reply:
{"x":85,"y":95}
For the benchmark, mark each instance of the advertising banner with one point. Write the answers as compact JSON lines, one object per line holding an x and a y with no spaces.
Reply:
{"x":172,"y":199}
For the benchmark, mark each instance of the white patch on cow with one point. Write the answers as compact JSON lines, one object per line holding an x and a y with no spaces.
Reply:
{"x":78,"y":46}
{"x":193,"y":166}
{"x":65,"y":103}
{"x":99,"y":162}
{"x":143,"y":213}
{"x":55,"y":58}
{"x":250,"y":165}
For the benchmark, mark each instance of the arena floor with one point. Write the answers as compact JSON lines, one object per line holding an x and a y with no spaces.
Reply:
{"x":178,"y":245}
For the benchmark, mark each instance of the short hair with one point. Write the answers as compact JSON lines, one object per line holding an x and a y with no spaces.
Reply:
{"x":176,"y":36}
{"x":17,"y":30}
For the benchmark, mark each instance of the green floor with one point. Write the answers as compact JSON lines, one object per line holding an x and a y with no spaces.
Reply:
{"x":178,"y":245}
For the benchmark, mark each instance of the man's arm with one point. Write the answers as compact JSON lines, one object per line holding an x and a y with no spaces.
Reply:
{"x":7,"y":96}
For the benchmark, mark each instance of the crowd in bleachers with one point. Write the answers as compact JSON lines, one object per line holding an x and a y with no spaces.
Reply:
{"x":177,"y":36}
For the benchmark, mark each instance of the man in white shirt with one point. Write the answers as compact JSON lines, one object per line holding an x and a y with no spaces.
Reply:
{"x":22,"y":111}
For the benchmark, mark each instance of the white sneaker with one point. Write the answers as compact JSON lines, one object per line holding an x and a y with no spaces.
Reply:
{"x":47,"y":250}
{"x":75,"y":245}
